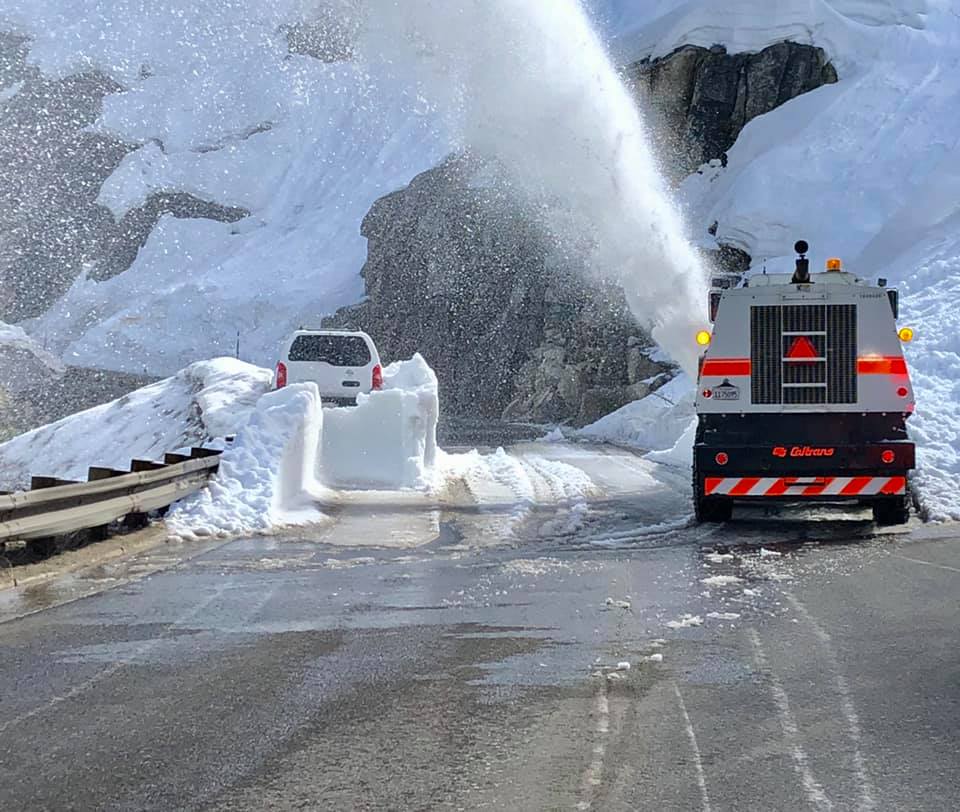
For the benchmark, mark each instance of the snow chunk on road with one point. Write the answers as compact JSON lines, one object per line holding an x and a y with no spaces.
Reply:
{"x":267,"y":476}
{"x":533,"y":567}
{"x":685,"y":622}
{"x":389,"y":439}
{"x":723,"y":615}
{"x":721,"y":580}
{"x":206,"y":400}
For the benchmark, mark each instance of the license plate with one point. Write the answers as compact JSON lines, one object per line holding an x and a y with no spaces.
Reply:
{"x":725,"y":393}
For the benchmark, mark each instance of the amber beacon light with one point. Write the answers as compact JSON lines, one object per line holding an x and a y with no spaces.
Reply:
{"x":834,"y":264}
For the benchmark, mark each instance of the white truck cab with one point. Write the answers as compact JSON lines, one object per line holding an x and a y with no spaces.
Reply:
{"x":343,"y":364}
{"x":803,"y":394}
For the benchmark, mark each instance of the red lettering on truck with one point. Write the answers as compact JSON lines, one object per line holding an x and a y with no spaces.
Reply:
{"x":803,"y":451}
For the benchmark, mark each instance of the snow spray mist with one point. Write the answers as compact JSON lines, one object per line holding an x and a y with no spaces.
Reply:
{"x":529,"y":84}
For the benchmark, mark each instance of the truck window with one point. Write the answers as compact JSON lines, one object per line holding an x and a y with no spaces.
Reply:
{"x":340,"y":351}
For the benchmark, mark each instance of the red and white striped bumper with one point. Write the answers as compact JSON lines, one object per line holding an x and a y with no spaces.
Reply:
{"x":794,"y":486}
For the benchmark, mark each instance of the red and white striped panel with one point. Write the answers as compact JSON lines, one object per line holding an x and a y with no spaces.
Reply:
{"x":806,"y":486}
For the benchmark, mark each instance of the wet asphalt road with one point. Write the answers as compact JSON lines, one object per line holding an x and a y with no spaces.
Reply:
{"x":461,"y":668}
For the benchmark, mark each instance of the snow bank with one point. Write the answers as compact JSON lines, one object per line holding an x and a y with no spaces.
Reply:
{"x":291,"y":452}
{"x":389,"y":440}
{"x":663,"y":422}
{"x":267,"y":477}
{"x":930,"y":289}
{"x":206,"y":400}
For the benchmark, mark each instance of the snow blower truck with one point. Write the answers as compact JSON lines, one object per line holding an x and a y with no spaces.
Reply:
{"x":803,"y":395}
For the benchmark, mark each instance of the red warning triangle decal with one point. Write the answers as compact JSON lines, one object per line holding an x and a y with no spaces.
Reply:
{"x":802,"y":347}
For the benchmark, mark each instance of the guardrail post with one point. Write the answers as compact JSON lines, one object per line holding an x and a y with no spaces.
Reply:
{"x":97,"y":472}
{"x":38,"y":483}
{"x":136,"y":466}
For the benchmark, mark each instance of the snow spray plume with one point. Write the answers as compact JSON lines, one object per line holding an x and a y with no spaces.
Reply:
{"x":528,"y":84}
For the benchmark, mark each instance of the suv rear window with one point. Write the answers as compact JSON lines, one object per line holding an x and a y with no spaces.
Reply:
{"x":340,"y":351}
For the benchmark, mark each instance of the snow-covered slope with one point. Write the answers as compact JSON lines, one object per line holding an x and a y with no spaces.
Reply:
{"x":208,"y":399}
{"x":222,"y":110}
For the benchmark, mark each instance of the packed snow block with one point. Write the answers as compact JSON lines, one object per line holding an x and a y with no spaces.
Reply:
{"x":267,"y":476}
{"x":389,"y":440}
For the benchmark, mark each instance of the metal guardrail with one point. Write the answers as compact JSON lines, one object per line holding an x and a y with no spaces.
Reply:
{"x":54,"y":507}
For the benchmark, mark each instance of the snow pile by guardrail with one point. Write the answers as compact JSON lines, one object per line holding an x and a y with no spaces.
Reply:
{"x":390,"y":439}
{"x":267,"y":478}
{"x":207,"y":399}
{"x":278,"y":469}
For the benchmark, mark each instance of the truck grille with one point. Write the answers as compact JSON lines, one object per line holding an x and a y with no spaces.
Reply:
{"x":803,"y":354}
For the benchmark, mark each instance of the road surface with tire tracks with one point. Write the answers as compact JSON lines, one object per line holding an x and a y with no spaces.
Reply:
{"x":612,"y":664}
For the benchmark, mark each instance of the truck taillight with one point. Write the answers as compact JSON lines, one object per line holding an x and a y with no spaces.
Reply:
{"x":281,"y":374}
{"x":888,"y":456}
{"x":377,"y":382}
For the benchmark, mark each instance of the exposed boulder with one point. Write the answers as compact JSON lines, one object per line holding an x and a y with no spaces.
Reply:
{"x":699,"y":99}
{"x":457,"y":271}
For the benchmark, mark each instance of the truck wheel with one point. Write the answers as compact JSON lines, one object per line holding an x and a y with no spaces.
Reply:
{"x":713,"y":510}
{"x":895,"y":510}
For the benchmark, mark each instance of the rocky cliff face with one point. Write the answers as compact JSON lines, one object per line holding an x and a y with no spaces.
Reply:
{"x":455,"y":271}
{"x":463,"y":276}
{"x":460,"y":274}
{"x":698,"y":99}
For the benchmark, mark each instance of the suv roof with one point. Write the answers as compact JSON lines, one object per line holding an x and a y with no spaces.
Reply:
{"x":318,"y":331}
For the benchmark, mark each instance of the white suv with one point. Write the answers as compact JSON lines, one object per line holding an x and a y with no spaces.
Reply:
{"x":342,"y":364}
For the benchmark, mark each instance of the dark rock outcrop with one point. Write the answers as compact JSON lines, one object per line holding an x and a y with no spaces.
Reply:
{"x":699,"y":99}
{"x":462,"y":275}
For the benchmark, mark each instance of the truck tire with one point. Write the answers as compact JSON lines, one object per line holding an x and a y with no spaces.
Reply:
{"x":712,"y":509}
{"x":709,"y":508}
{"x":892,"y":511}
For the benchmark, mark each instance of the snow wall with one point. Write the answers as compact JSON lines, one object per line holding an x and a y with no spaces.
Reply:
{"x":267,"y":477}
{"x":390,"y":439}
{"x":286,"y":460}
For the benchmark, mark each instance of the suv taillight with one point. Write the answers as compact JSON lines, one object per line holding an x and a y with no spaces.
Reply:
{"x":377,"y":382}
{"x":281,"y":374}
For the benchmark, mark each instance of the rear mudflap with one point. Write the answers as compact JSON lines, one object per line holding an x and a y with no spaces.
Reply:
{"x":823,"y":487}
